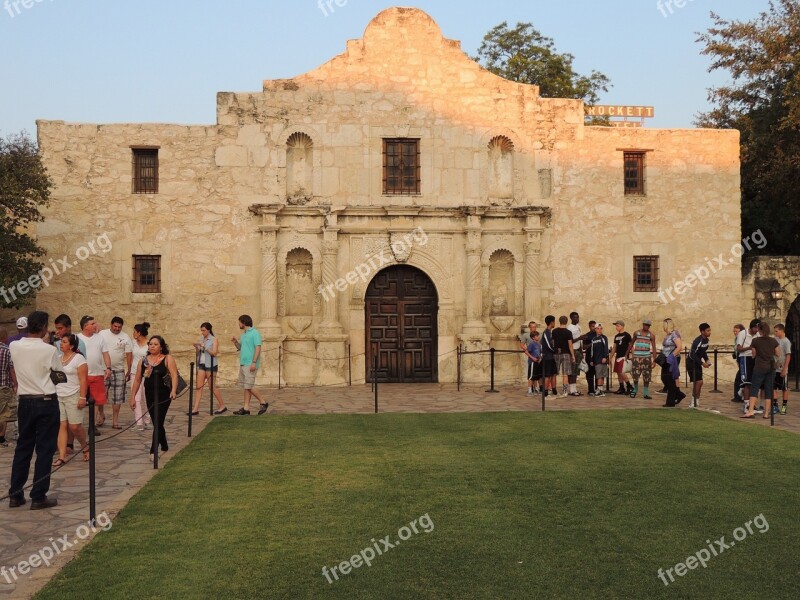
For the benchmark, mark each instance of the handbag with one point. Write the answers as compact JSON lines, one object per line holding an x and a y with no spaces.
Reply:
{"x":182,"y":386}
{"x":661,"y":360}
{"x":584,"y":368}
{"x":58,"y":377}
{"x":627,"y":366}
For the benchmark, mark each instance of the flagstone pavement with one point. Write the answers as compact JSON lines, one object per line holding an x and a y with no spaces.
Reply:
{"x":124,"y":466}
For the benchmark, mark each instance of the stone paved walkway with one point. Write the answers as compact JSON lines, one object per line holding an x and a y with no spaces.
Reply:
{"x":123,"y":464}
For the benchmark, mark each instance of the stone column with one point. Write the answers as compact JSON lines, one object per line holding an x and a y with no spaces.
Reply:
{"x":474,"y":295}
{"x":330,"y":305}
{"x":268,"y":325}
{"x":331,"y":368}
{"x":533,"y":279}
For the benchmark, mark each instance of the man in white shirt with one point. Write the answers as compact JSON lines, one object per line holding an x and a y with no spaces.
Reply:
{"x":37,"y":414}
{"x":577,"y":346}
{"x":99,"y":363}
{"x":120,"y":350}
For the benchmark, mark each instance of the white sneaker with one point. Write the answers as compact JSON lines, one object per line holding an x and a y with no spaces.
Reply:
{"x":530,"y":392}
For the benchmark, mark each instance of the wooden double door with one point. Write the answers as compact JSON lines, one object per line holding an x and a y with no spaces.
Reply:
{"x":401,"y":311}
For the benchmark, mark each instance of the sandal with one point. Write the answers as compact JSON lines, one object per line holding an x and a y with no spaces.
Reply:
{"x":116,"y":427}
{"x":58,"y":463}
{"x":86,"y":454}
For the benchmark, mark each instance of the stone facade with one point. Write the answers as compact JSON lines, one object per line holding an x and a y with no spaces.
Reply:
{"x":279,"y":211}
{"x":769,"y":276}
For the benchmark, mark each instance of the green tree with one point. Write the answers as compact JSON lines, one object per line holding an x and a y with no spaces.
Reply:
{"x":24,"y":189}
{"x":763,"y":103}
{"x":523,"y":54}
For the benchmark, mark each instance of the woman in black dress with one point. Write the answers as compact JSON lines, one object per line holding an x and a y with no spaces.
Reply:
{"x":151,"y":374}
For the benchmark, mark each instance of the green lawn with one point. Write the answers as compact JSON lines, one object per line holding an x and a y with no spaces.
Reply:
{"x":523,"y":505}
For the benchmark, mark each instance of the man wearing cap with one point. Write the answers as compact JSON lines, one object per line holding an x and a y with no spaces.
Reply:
{"x":642,"y":354}
{"x":22,"y":331}
{"x":619,"y":354}
{"x":38,"y":414}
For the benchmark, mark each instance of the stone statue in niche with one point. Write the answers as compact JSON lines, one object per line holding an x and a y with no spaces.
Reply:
{"x":500,"y":301}
{"x":299,"y":283}
{"x":501,"y":283}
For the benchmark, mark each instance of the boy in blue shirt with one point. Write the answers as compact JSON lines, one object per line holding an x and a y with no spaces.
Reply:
{"x":534,"y":354}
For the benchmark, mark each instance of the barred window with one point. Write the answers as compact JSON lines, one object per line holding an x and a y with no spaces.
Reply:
{"x":145,"y":170}
{"x":645,"y":273}
{"x":634,"y":173}
{"x":146,"y":274}
{"x":401,"y":168}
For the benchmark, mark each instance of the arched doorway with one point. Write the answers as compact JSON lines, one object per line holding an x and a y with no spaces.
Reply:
{"x":401,"y":307}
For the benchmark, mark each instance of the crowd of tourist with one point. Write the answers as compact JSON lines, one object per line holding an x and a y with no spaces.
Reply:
{"x":565,"y":350}
{"x":47,"y":379}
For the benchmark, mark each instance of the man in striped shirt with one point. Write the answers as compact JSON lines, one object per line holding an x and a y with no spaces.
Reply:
{"x":8,"y":389}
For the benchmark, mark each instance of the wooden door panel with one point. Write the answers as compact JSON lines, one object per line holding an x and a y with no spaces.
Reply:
{"x":401,"y":307}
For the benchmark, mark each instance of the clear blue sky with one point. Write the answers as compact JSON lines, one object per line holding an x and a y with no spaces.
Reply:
{"x":165,"y":60}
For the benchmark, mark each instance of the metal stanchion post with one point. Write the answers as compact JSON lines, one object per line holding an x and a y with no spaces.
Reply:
{"x":211,"y":389}
{"x":375,"y":381}
{"x":491,"y":368}
{"x":458,"y":368}
{"x":191,"y":397}
{"x":280,"y":360}
{"x":716,"y":372}
{"x":349,"y":366}
{"x":92,"y":464}
{"x":544,"y":393}
{"x":685,"y":367}
{"x":156,"y":428}
{"x":772,"y":404}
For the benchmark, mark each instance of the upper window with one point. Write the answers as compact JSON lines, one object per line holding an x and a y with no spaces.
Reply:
{"x":634,"y":173}
{"x":645,"y":273}
{"x":401,"y":166}
{"x":145,"y":171}
{"x":146,"y":274}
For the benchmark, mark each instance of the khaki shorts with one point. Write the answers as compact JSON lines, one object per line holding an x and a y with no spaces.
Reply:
{"x":247,"y":378}
{"x":8,"y":405}
{"x":69,"y":411}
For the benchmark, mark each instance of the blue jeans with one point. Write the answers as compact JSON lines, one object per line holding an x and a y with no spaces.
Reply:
{"x":39,"y":421}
